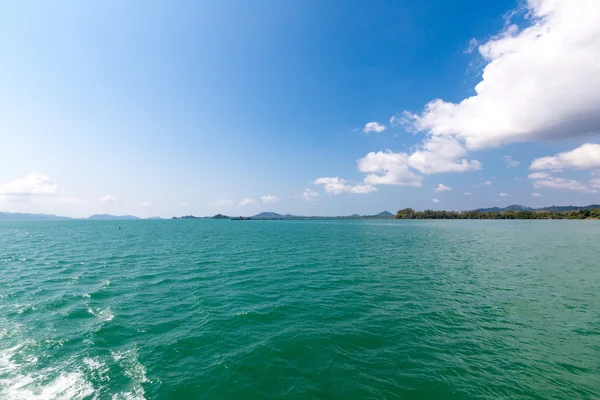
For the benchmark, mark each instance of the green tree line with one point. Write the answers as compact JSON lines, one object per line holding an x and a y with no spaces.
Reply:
{"x":409,"y":213}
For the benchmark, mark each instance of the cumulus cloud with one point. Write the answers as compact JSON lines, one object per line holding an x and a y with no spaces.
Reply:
{"x":31,"y":184}
{"x":310,"y":195}
{"x":247,"y":202}
{"x":536,"y":195}
{"x":503,"y":194}
{"x":337,"y":186}
{"x":387,"y":168}
{"x":467,"y":193}
{"x":435,"y":200}
{"x":510,"y":162}
{"x":268,"y":199}
{"x":442,"y":188}
{"x":108,"y":199}
{"x":437,"y":155}
{"x":585,"y":157}
{"x":442,"y":154}
{"x":374,"y":127}
{"x":486,"y":183}
{"x":539,"y":83}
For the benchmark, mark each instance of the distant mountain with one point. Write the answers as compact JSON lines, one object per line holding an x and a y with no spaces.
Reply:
{"x":108,"y":217}
{"x":154,"y":218}
{"x":190,"y":217}
{"x":516,"y":207}
{"x":271,"y":215}
{"x":384,"y":214}
{"x":220,"y":216}
{"x":31,"y":217}
{"x":569,"y":208}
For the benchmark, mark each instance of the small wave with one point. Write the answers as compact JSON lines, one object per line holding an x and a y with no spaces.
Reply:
{"x":104,"y":314}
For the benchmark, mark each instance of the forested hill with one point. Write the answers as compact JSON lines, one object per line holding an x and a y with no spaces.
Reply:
{"x":582,"y":213}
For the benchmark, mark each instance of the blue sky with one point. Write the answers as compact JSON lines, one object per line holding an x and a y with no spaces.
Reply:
{"x":162,"y":108}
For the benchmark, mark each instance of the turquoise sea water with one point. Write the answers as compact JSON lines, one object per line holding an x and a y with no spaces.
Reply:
{"x":300,"y":310}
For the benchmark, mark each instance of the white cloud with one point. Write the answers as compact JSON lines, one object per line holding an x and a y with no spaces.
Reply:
{"x":435,"y":200}
{"x":442,"y":154}
{"x":540,"y":83}
{"x":442,"y":188}
{"x":374,"y":127}
{"x":561,"y":183}
{"x":223,"y":203}
{"x":309,"y":195}
{"x":108,"y":199}
{"x":538,"y":175}
{"x":486,"y":183}
{"x":337,"y":186}
{"x":184,"y":203}
{"x":387,"y":168}
{"x":510,"y":162}
{"x":247,"y":202}
{"x":473,"y":44}
{"x":31,"y":184}
{"x":145,"y":204}
{"x":536,"y":195}
{"x":585,"y":157}
{"x":436,"y":155}
{"x":467,"y":193}
{"x":503,"y":194}
{"x":268,"y":199}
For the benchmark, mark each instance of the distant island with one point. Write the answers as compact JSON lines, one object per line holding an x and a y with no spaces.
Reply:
{"x":52,"y":217}
{"x":267,"y":215}
{"x":511,"y":212}
{"x":113,"y":217}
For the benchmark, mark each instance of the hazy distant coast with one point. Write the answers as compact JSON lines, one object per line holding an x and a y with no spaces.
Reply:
{"x":591,"y":211}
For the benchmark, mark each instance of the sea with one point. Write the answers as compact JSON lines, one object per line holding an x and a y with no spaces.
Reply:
{"x":339,"y":309}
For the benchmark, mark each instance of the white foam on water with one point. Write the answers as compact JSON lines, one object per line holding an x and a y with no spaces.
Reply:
{"x":67,"y":386}
{"x":93,"y":363}
{"x":27,"y":307}
{"x":104,"y":314}
{"x":134,"y":370}
{"x":97,"y":367}
{"x":16,"y":385}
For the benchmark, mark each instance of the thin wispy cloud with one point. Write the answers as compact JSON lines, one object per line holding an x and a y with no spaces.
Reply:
{"x":336,"y":186}
{"x":510,"y":162}
{"x":309,"y":195}
{"x":442,"y":188}
{"x":269,"y":199}
{"x":108,"y":199}
{"x":248,"y":202}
